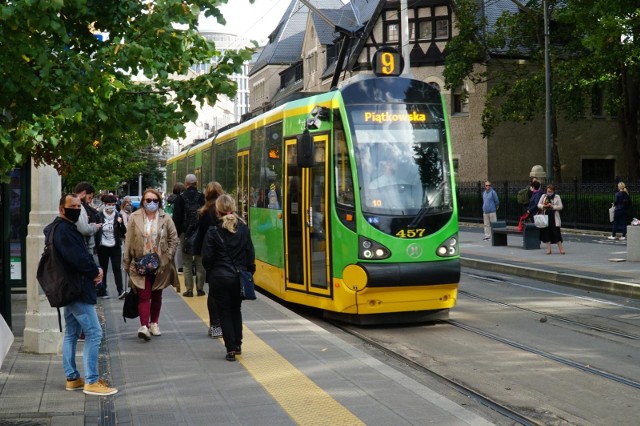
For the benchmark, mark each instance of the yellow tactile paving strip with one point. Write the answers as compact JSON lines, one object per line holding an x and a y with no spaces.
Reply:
{"x":300,"y":397}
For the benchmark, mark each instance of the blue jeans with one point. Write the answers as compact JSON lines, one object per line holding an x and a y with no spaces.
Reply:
{"x":78,"y":317}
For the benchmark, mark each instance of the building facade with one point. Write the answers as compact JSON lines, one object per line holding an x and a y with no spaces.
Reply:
{"x":301,"y":58}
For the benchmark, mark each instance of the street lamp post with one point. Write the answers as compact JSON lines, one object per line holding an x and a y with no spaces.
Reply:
{"x":547,"y":95}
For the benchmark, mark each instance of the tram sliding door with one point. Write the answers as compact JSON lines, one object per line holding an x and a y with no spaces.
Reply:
{"x":306,"y":220}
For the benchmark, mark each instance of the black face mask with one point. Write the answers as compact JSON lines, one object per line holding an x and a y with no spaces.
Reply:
{"x":72,"y":214}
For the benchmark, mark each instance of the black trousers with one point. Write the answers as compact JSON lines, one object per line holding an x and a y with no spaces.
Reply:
{"x":115,"y":255}
{"x":226,"y":294}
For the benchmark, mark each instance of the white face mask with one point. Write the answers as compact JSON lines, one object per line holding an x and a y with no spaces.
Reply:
{"x":109,"y":209}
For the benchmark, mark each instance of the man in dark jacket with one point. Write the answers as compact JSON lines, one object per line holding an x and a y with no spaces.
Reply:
{"x":184,"y":209}
{"x":79,"y":315}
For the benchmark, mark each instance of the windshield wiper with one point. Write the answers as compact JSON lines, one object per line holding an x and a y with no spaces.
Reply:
{"x":421,"y":214}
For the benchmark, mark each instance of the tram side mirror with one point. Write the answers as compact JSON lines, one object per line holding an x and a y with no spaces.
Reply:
{"x":305,"y":149}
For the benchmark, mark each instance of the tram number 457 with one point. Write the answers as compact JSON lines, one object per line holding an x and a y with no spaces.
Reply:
{"x":410,"y":233}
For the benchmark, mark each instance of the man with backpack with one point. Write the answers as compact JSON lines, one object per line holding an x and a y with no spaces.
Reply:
{"x":185,"y":217}
{"x":80,"y":314}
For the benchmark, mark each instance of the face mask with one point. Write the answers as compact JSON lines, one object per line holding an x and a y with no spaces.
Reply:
{"x":128,"y":209}
{"x":549,"y":194}
{"x":109,"y":209}
{"x":72,"y":214}
{"x":151,"y":207}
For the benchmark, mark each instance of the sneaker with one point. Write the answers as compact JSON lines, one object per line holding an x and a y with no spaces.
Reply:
{"x":99,"y":388}
{"x":486,"y":238}
{"x":81,"y":337}
{"x":622,"y":238}
{"x":143,"y":333}
{"x":201,"y":293}
{"x":611,"y":237}
{"x":188,"y":293}
{"x":215,"y":332}
{"x":122,"y":295}
{"x":104,"y":296}
{"x":238,"y":350}
{"x":231,"y":356}
{"x":154,"y":329}
{"x":75,"y":384}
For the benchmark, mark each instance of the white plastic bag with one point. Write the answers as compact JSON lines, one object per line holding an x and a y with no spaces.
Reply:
{"x":541,"y":220}
{"x":611,"y":212}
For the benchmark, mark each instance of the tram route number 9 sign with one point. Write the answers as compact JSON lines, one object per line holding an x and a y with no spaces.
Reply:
{"x":387,"y":62}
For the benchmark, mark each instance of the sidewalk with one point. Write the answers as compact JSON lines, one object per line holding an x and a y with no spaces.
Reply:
{"x":592,"y":262}
{"x":290,"y":372}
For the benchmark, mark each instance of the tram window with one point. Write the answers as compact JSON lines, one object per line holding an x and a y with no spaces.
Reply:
{"x":344,"y":176}
{"x":265,"y":172}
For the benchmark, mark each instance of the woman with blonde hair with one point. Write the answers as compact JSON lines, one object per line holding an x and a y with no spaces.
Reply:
{"x":227,"y":249}
{"x":621,"y":204}
{"x":151,"y":230}
{"x":207,"y":217}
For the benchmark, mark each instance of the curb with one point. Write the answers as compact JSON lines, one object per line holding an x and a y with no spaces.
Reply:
{"x":618,"y":288}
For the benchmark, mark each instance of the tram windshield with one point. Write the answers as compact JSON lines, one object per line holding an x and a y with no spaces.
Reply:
{"x":402,"y":159}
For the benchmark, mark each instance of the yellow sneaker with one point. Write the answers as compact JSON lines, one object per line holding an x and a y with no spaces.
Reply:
{"x":75,"y":384}
{"x":99,"y":388}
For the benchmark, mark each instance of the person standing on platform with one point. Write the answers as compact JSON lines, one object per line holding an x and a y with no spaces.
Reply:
{"x":79,"y":315}
{"x":150,"y":230}
{"x":109,"y":243}
{"x":178,"y":189}
{"x":87,"y":224}
{"x":551,"y":204}
{"x":185,"y":216}
{"x":228,"y":246}
{"x":208,"y":217}
{"x":621,"y":204}
{"x":490,"y":204}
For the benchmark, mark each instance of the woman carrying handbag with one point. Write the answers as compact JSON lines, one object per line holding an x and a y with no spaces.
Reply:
{"x":551,"y":204}
{"x":228,"y":248}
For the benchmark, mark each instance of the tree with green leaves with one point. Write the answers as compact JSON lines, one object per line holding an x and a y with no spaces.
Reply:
{"x":588,"y":53}
{"x":88,"y":80}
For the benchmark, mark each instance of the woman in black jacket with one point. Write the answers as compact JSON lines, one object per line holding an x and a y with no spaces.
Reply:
{"x":228,"y":248}
{"x":207,"y":217}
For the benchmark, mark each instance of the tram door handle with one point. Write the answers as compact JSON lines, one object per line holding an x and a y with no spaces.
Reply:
{"x":310,"y":217}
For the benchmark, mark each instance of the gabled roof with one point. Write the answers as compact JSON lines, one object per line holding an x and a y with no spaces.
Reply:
{"x":285,"y":42}
{"x":342,"y":18}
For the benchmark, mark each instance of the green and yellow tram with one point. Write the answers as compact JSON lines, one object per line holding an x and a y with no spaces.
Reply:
{"x":350,"y":199}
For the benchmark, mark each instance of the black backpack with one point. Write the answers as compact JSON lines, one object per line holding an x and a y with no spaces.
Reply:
{"x":58,"y":286}
{"x":191,"y":208}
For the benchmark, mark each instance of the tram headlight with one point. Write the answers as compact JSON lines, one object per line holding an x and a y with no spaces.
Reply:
{"x":370,"y":250}
{"x":449,"y":247}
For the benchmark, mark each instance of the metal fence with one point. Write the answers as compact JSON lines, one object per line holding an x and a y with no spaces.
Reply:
{"x":585,"y":205}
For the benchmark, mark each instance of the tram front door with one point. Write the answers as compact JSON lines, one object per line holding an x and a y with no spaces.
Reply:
{"x":306,"y":220}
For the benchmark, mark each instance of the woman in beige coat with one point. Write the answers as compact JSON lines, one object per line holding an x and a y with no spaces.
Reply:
{"x":150,"y":230}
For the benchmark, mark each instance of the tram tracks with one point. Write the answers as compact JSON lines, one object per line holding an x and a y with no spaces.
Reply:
{"x":547,"y":315}
{"x":460,"y":387}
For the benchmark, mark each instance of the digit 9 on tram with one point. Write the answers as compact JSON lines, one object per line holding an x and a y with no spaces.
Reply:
{"x":349,"y":197}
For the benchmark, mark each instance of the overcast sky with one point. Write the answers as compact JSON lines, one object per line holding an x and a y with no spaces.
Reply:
{"x":250,"y":21}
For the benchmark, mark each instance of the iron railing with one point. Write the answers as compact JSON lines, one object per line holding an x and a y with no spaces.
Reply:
{"x":586,"y":205}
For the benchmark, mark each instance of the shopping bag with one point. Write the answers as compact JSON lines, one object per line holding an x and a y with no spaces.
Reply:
{"x":523,"y":218}
{"x":611,"y":213}
{"x":541,"y":220}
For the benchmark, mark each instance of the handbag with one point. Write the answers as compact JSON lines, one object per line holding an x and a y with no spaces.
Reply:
{"x":611,"y":213}
{"x":148,"y":264}
{"x":247,"y":286}
{"x":541,"y":220}
{"x":130,"y":306}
